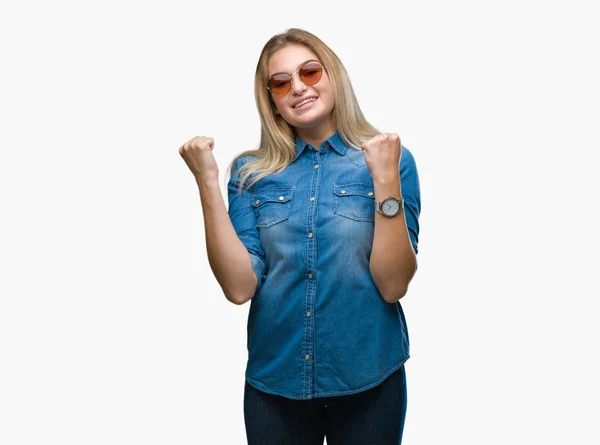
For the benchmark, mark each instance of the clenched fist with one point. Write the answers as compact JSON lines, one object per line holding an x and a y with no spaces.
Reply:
{"x":382,"y":156}
{"x":198,"y":155}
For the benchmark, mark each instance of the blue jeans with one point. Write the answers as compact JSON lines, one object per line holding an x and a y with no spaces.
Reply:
{"x":372,"y":417}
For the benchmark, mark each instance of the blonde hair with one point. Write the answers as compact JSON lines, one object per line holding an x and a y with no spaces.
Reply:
{"x":277,"y":146}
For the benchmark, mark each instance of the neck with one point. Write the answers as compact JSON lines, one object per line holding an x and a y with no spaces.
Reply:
{"x":316,"y":135}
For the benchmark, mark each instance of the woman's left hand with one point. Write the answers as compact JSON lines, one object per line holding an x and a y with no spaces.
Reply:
{"x":382,"y":155}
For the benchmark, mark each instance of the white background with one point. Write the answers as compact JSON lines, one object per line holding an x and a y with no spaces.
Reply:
{"x":113,"y":329}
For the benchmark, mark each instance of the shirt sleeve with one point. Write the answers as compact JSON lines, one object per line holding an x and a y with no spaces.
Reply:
{"x":411,"y":193}
{"x":243,"y":219}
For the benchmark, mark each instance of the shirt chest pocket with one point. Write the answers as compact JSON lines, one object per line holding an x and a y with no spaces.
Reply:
{"x":272,"y":205}
{"x":355,"y":201}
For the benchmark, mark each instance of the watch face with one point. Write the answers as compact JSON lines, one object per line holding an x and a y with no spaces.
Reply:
{"x":390,"y":206}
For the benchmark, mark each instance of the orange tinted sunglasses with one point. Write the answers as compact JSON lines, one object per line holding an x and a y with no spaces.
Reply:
{"x":309,"y":73}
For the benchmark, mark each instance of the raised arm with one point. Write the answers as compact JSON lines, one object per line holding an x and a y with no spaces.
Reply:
{"x":231,"y":263}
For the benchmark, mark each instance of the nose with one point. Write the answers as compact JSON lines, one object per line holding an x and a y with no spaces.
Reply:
{"x":298,"y":87}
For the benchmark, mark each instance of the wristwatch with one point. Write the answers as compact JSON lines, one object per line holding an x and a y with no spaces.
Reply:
{"x":389,"y":206}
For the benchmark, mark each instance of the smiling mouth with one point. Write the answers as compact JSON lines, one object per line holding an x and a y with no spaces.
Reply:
{"x":305,"y":103}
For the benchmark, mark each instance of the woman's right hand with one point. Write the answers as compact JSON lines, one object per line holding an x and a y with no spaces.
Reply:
{"x":198,"y":155}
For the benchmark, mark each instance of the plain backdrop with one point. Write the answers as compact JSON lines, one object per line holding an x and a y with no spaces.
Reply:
{"x":113,"y":329}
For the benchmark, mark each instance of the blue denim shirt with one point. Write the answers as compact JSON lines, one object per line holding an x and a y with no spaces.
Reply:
{"x":317,"y":324}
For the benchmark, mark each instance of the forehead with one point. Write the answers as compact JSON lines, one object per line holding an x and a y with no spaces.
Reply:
{"x":287,"y":59}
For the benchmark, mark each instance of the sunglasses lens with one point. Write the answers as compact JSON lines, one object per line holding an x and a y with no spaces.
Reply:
{"x":279,"y":84}
{"x":311,"y":73}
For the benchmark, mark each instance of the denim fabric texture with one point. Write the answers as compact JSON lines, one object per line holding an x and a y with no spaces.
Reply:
{"x":372,"y":417}
{"x":317,"y":324}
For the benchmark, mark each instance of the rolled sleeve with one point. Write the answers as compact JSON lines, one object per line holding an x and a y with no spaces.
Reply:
{"x":243,"y":219}
{"x":411,"y":193}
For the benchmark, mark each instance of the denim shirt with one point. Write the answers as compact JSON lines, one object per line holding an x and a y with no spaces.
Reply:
{"x":317,"y":324}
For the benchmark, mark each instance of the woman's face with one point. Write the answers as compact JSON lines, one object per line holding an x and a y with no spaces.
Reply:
{"x":318,"y":113}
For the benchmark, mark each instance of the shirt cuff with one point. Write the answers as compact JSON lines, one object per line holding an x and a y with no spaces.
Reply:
{"x":258,"y":266}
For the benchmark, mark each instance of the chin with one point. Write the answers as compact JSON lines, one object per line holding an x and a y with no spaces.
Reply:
{"x":306,"y":121}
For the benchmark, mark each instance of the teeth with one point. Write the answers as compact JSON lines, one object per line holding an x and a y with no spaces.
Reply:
{"x":312,"y":99}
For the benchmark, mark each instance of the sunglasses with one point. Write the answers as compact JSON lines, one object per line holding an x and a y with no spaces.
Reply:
{"x":309,"y":73}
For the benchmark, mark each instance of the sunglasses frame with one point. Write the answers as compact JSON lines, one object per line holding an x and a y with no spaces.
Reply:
{"x":296,"y":72}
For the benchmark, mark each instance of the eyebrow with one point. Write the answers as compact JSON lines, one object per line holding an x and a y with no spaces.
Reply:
{"x":303,"y":63}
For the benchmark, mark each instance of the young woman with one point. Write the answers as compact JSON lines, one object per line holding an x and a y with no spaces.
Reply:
{"x":321,"y":236}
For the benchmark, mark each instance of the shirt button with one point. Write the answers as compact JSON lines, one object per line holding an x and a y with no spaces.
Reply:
{"x":312,"y":198}
{"x":343,"y":192}
{"x":370,"y":193}
{"x":257,"y":201}
{"x":307,"y":357}
{"x":308,"y":314}
{"x":281,"y":198}
{"x":310,"y":235}
{"x":316,"y":166}
{"x":310,"y":276}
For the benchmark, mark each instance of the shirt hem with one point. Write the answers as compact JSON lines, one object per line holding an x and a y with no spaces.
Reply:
{"x":263,"y":388}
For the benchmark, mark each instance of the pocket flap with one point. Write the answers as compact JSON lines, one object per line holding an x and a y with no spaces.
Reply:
{"x":280,"y":195}
{"x":360,"y":189}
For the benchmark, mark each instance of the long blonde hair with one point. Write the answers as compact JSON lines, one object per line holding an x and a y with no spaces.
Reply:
{"x":277,"y":146}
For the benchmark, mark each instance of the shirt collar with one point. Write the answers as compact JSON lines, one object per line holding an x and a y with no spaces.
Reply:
{"x":334,"y":141}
